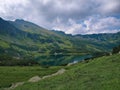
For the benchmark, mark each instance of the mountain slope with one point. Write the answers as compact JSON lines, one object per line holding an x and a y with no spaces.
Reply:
{"x":94,"y":42}
{"x":98,"y":74}
{"x":23,"y":39}
{"x":108,"y":40}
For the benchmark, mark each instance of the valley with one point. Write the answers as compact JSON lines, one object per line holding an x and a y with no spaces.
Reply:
{"x":34,"y":58}
{"x":23,"y":40}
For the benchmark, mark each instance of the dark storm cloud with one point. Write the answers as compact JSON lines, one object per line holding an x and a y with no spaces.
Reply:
{"x":68,"y":15}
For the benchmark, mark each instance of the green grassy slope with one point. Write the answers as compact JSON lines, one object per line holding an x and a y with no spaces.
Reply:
{"x":26,"y":38}
{"x":93,"y":42}
{"x":106,"y":40}
{"x":99,"y":74}
{"x":9,"y":75}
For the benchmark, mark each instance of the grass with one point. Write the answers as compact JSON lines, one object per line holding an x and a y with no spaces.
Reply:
{"x":4,"y":44}
{"x":98,"y":74}
{"x":9,"y":75}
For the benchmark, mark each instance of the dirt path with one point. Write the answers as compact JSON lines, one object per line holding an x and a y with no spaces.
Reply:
{"x":14,"y":85}
{"x":35,"y":79}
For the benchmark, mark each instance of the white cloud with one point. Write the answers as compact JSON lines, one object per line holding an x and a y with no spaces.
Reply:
{"x":71,"y":16}
{"x":92,"y":25}
{"x":12,"y":9}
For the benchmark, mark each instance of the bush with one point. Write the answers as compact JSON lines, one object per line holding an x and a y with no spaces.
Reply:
{"x":116,"y":50}
{"x":6,"y":60}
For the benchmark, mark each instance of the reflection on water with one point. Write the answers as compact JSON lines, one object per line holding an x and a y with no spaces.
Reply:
{"x":57,"y":60}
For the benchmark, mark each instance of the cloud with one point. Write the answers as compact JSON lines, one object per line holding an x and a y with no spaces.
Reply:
{"x":94,"y":24}
{"x":109,"y":7}
{"x":68,"y":15}
{"x":11,"y":9}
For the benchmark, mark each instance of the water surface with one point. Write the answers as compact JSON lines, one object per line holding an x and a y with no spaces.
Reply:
{"x":58,"y":60}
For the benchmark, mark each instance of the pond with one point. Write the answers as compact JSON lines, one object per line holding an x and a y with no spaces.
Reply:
{"x":58,"y":60}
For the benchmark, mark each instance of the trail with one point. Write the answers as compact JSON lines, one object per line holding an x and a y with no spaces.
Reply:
{"x":35,"y":79}
{"x":14,"y":85}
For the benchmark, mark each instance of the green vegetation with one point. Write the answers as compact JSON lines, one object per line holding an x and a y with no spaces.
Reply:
{"x":22,"y":42}
{"x":116,"y":49}
{"x":6,"y":60}
{"x":9,"y":75}
{"x":98,"y":74}
{"x":24,"y":39}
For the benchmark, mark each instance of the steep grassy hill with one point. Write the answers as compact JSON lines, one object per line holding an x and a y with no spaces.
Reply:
{"x":18,"y":37}
{"x":97,"y":74}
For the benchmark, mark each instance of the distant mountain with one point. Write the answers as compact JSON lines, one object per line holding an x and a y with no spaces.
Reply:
{"x":21,"y":38}
{"x":107,"y":40}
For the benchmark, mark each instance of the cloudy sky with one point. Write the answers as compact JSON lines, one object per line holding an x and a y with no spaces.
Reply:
{"x":70,"y":16}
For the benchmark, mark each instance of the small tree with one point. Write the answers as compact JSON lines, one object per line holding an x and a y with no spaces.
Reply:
{"x":116,"y":50}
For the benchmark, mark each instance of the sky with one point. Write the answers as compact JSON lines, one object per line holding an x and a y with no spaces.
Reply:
{"x":70,"y":16}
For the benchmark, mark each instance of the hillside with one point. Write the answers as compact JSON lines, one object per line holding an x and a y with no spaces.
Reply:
{"x":97,"y":74}
{"x":23,"y":43}
{"x":9,"y":75}
{"x":25,"y":40}
{"x":21,"y":39}
{"x":106,"y":40}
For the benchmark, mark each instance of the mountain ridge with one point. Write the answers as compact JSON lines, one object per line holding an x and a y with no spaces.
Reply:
{"x":21,"y":38}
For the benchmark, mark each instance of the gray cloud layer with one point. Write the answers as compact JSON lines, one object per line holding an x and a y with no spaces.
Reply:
{"x":71,"y":16}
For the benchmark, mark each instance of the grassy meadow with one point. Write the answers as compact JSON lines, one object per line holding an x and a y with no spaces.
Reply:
{"x":13,"y":74}
{"x":98,"y":74}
